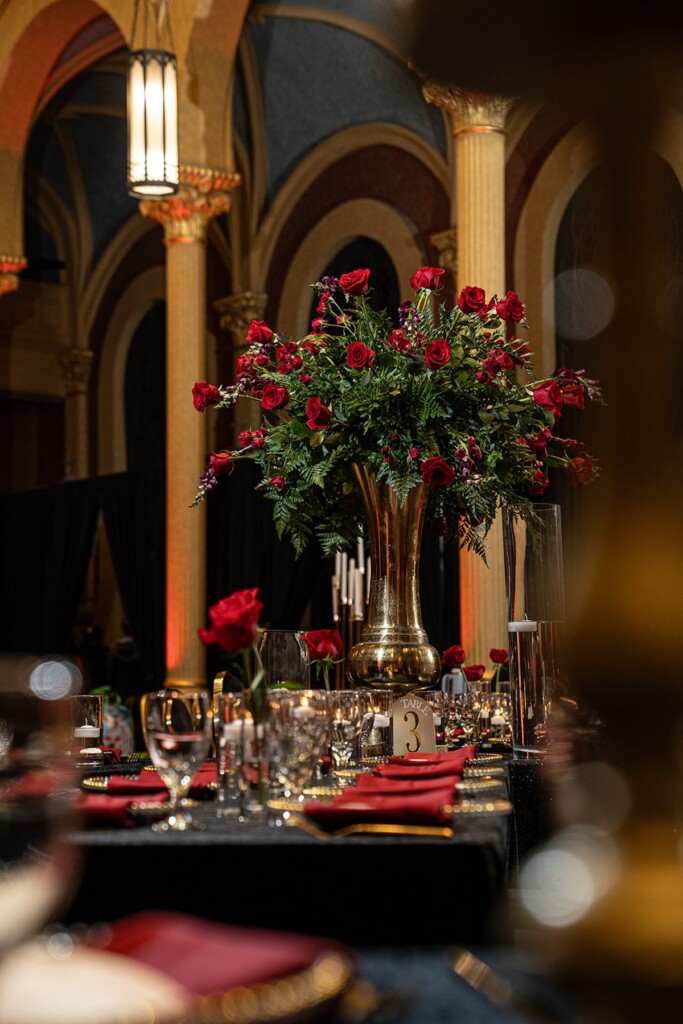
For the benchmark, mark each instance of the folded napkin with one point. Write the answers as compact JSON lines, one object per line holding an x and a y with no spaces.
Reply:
{"x":444,"y":757}
{"x":151,"y":782}
{"x":206,"y":957}
{"x":376,"y":785}
{"x":426,"y":766}
{"x":100,"y":810}
{"x":349,"y":808}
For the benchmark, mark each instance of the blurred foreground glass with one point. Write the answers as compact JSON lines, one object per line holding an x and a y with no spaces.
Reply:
{"x":177,"y":733}
{"x":284,"y":655}
{"x":535,"y":605}
{"x":38,"y":790}
{"x":299,"y":732}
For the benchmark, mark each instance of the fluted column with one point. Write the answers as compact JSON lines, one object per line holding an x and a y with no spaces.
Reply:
{"x":76,"y":365}
{"x":479,"y":132}
{"x":446,"y":244}
{"x":185,"y":217}
{"x":10,"y":268}
{"x":236,"y":313}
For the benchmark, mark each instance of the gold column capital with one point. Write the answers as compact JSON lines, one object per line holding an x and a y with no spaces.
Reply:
{"x":471,"y":111}
{"x":446,"y":244}
{"x":76,"y":365}
{"x":204,"y":194}
{"x":10,"y":268}
{"x":237,"y":312}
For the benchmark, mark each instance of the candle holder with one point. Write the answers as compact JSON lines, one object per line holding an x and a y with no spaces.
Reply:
{"x":86,"y":723}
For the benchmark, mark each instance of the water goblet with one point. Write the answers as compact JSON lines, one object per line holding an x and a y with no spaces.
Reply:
{"x":346,"y":720}
{"x":177,"y":733}
{"x":284,"y":656}
{"x":228,"y":735}
{"x":299,"y":723}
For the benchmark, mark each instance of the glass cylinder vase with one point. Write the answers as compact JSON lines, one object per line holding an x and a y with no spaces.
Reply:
{"x":394,"y":653}
{"x":535,"y":606}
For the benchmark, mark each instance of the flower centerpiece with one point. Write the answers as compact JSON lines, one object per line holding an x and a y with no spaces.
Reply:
{"x":441,"y":397}
{"x":433,"y":416}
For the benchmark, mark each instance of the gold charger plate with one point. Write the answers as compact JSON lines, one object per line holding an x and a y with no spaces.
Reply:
{"x":95,"y":783}
{"x":306,"y":993}
{"x":150,"y":810}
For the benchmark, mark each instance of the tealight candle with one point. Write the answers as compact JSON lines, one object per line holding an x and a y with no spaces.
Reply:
{"x":86,"y":732}
{"x":381,"y":722}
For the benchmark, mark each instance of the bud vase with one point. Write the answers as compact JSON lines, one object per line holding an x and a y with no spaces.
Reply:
{"x":394,"y":653}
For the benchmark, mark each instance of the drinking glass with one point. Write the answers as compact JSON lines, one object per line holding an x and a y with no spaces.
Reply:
{"x":177,"y":733}
{"x":376,"y":743}
{"x":228,"y":728}
{"x":86,"y":710}
{"x":284,"y":656}
{"x":346,"y":719}
{"x":299,"y":724}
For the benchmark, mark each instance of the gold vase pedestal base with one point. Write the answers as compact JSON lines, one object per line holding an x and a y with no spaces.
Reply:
{"x":393,"y":666}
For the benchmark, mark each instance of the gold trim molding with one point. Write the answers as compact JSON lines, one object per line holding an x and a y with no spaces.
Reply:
{"x":10,"y":268}
{"x":471,"y":111}
{"x":237,"y":311}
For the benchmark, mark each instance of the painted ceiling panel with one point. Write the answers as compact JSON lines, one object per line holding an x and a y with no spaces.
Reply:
{"x":317,"y":79}
{"x":388,"y":16}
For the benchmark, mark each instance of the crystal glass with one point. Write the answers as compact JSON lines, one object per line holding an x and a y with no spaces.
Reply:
{"x":177,"y":733}
{"x":284,"y":655}
{"x":376,"y":741}
{"x":86,"y":712}
{"x":347,"y":708}
{"x":228,"y":727}
{"x":299,"y":729}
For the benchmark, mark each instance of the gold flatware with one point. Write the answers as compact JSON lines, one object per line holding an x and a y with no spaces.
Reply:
{"x":497,"y":989}
{"x":370,"y":828}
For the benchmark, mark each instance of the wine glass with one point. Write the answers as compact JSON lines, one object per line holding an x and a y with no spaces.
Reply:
{"x":284,"y":656}
{"x":347,"y":708}
{"x":177,"y":733}
{"x":298,"y":725}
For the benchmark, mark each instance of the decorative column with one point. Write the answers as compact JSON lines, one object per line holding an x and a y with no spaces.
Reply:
{"x":185,"y":217}
{"x":10,"y":268}
{"x":236,"y":313}
{"x":76,"y":365}
{"x":446,"y":244}
{"x":479,"y":132}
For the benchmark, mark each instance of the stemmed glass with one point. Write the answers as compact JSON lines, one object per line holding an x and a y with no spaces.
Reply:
{"x":347,"y":708}
{"x":298,"y":723}
{"x":177,"y":733}
{"x":284,"y":656}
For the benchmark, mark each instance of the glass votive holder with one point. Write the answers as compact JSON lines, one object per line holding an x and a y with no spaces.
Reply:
{"x":86,"y":722}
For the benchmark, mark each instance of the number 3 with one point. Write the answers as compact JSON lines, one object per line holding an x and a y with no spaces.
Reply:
{"x":413,"y":731}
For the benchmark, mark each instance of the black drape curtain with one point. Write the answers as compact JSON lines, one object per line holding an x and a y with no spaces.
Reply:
{"x":133,"y":508}
{"x":439,"y":592}
{"x":46,"y":539}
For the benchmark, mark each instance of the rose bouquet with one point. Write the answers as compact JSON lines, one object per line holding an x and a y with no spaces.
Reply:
{"x":444,"y":397}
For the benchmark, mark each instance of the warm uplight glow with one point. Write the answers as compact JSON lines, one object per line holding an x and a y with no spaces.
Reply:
{"x":152,"y":124}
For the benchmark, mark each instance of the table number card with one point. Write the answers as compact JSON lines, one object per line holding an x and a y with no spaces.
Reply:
{"x":413,"y":722}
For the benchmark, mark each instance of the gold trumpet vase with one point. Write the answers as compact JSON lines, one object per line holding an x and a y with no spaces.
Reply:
{"x":394,"y":653}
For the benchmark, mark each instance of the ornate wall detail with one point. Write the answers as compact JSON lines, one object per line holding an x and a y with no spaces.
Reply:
{"x":237,"y":311}
{"x":446,"y":244}
{"x":204,"y":194}
{"x":76,"y":364}
{"x":10,"y":268}
{"x":471,"y":111}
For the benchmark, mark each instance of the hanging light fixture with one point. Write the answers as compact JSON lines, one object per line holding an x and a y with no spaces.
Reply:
{"x":152,"y":105}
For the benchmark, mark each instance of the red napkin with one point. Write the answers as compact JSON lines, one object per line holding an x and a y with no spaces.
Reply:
{"x":206,"y":957}
{"x":104,"y":811}
{"x":444,"y":757}
{"x":375,"y":785}
{"x":423,"y":808}
{"x":151,"y":782}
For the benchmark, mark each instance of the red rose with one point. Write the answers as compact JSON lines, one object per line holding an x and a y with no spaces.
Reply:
{"x":511,"y":307}
{"x":318,"y":415}
{"x":453,"y":656}
{"x":539,"y":482}
{"x":414,"y":453}
{"x":219,"y":461}
{"x":436,"y":472}
{"x":277,"y":481}
{"x":259,"y":331}
{"x":427,"y":277}
{"x":234,"y":621}
{"x":204,"y":394}
{"x":471,"y":300}
{"x":498,"y":655}
{"x":582,"y":469}
{"x":399,"y":340}
{"x":548,"y":396}
{"x":317,"y":325}
{"x":355,"y":283}
{"x":437,"y":354}
{"x":323,"y":643}
{"x":358,"y":355}
{"x":305,"y":378}
{"x":572,"y":395}
{"x":474,"y":672}
{"x":274,"y":396}
{"x":244,"y":438}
